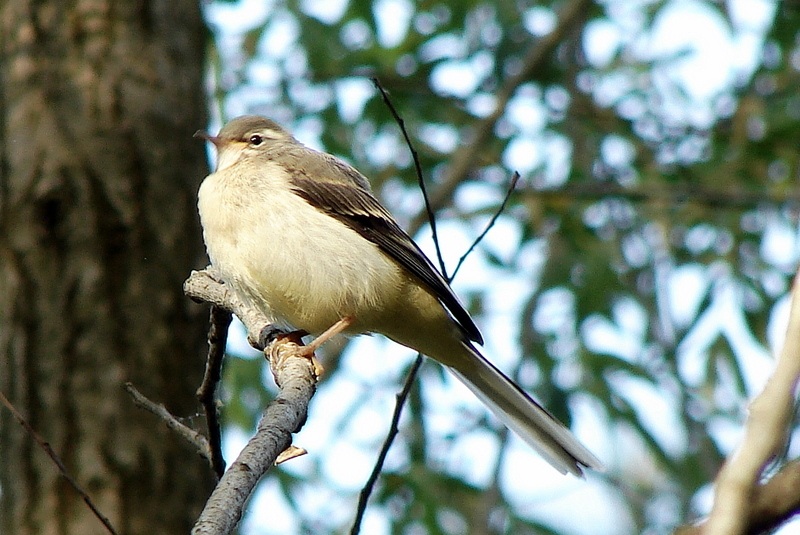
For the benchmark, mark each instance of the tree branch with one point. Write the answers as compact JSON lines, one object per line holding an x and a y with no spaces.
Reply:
{"x":220,"y":320}
{"x":429,"y":214}
{"x":765,"y":435}
{"x":296,"y":379}
{"x":463,"y":159}
{"x":511,"y":185}
{"x":394,"y":428}
{"x":366,"y":491}
{"x":187,"y":433}
{"x":402,"y":396}
{"x":773,"y":503}
{"x":205,"y":286}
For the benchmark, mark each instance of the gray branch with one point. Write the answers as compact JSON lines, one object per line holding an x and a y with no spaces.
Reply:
{"x":296,"y":379}
{"x":206,"y":286}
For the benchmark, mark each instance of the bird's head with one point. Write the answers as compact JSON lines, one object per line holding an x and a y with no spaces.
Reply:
{"x":244,"y":136}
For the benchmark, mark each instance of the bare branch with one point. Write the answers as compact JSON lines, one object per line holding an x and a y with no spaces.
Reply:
{"x":206,"y":394}
{"x":205,"y":286}
{"x":773,"y":503}
{"x":571,"y":16}
{"x":296,"y":379}
{"x":45,"y":446}
{"x":418,"y":168}
{"x":765,"y":435}
{"x":511,"y":185}
{"x":186,"y":432}
{"x":366,"y":491}
{"x":394,"y":428}
{"x":402,"y":396}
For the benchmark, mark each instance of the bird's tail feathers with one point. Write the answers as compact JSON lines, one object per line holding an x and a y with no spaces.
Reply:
{"x":523,"y":415}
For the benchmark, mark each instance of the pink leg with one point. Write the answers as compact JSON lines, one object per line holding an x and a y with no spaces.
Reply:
{"x":307,"y":351}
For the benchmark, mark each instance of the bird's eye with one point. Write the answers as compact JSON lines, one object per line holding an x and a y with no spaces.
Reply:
{"x":256,"y":139}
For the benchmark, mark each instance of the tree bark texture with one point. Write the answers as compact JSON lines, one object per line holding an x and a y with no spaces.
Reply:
{"x":98,"y":230}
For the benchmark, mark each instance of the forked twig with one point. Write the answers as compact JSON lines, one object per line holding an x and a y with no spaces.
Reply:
{"x":296,"y":379}
{"x":211,"y":448}
{"x":187,"y":433}
{"x":511,"y":187}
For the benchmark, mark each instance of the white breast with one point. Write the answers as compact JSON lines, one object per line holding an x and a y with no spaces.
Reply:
{"x":299,"y":266}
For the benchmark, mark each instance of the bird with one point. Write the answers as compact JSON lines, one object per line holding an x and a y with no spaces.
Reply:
{"x":299,"y":235}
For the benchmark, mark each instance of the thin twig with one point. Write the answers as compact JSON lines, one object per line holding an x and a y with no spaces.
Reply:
{"x":220,"y":320}
{"x":570,"y":16}
{"x":394,"y":428}
{"x":59,"y":463}
{"x":184,"y":431}
{"x":418,"y":168}
{"x":511,"y":185}
{"x":366,"y":490}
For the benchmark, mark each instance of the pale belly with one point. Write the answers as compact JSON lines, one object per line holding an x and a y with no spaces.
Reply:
{"x":300,"y":267}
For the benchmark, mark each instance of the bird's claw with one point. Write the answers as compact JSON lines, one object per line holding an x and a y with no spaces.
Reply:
{"x":296,"y":337}
{"x":277,"y":357}
{"x":266,"y":336}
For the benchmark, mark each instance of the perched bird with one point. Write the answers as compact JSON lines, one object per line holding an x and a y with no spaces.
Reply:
{"x":299,"y":235}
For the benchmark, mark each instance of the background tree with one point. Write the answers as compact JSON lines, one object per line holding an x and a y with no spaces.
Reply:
{"x":98,"y":230}
{"x":640,"y":271}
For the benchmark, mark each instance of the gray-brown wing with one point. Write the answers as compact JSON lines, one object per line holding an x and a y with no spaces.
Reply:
{"x":357,"y":208}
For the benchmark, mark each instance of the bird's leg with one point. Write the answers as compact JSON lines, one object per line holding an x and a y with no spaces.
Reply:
{"x":332,"y":331}
{"x":307,"y":351}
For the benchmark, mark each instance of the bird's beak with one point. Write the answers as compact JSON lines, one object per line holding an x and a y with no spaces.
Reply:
{"x":200,"y":134}
{"x":225,"y":155}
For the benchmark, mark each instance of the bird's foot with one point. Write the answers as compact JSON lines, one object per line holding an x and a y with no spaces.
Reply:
{"x":295,"y":338}
{"x":270,"y":336}
{"x":266,"y":336}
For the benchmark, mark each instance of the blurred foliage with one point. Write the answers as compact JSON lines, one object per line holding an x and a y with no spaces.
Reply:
{"x":663,"y":214}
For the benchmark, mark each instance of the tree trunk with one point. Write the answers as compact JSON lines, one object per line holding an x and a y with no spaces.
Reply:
{"x":98,"y":230}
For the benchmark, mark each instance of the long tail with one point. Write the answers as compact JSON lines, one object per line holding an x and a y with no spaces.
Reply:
{"x":520,"y":413}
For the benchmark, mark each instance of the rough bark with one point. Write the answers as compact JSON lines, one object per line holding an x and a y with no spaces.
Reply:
{"x":98,"y":230}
